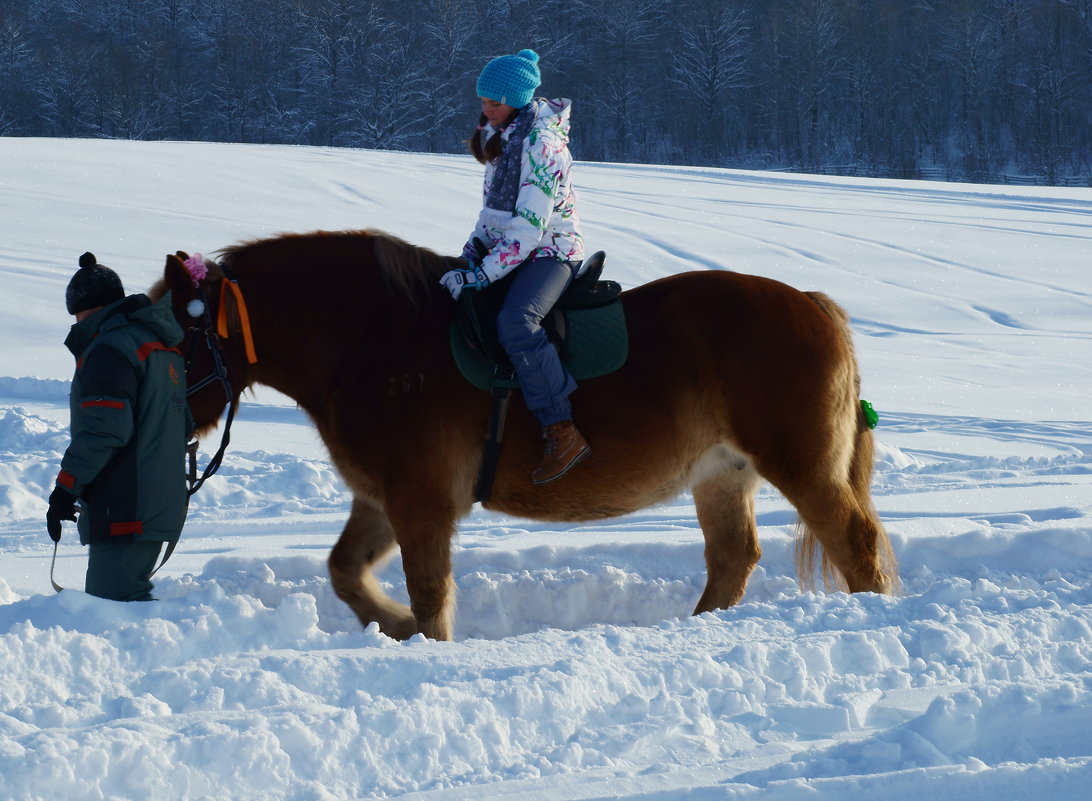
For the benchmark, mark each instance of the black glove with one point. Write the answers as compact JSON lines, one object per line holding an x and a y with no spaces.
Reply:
{"x":62,"y":506}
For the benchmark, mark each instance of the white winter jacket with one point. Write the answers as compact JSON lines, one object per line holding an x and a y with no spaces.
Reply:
{"x":545,"y":223}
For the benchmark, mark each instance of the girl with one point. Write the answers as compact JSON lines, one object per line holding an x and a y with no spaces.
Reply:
{"x":529,"y":229}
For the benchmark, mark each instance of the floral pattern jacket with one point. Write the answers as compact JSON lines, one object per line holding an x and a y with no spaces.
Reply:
{"x":545,"y":223}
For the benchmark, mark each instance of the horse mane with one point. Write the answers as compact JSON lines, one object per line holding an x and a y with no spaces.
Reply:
{"x":405,"y":269}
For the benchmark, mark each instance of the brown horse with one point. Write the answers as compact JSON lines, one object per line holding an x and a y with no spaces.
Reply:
{"x":731,"y":379}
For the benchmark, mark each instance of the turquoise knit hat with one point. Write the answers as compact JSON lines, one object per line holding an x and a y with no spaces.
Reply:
{"x":511,"y":79}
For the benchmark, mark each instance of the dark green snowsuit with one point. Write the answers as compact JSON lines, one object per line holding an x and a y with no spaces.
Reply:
{"x":130,"y":425}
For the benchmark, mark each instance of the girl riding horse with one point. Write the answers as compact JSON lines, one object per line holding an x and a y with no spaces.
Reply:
{"x":528,"y":229}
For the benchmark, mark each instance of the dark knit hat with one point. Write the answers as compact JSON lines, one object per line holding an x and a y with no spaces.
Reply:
{"x":511,"y":79}
{"x":93,"y":285}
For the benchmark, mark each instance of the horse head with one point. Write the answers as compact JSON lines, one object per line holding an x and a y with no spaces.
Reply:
{"x":357,"y":285}
{"x":217,"y":360}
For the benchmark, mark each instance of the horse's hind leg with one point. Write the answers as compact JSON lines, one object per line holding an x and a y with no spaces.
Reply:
{"x":851,"y":537}
{"x":365,"y":540}
{"x":836,"y":514}
{"x":724,"y":499}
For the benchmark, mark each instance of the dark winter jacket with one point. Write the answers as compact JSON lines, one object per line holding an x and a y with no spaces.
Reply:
{"x":130,"y":423}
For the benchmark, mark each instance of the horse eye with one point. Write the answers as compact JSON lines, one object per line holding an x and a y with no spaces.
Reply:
{"x":195,"y":308}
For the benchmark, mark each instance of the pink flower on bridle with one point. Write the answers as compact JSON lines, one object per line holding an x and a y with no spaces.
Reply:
{"x":195,"y":265}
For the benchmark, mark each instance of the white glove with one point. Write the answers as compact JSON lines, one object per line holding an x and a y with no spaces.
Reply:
{"x":455,"y":281}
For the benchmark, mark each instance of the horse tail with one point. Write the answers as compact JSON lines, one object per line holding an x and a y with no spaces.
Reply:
{"x":864,"y":522}
{"x":840,"y":318}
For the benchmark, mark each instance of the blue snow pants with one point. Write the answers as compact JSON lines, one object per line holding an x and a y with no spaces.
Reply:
{"x":544,"y":381}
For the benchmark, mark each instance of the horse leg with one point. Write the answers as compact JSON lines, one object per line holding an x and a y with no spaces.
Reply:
{"x":425,"y":540}
{"x":851,"y":538}
{"x":365,"y":540}
{"x":726,"y":513}
{"x":836,"y":513}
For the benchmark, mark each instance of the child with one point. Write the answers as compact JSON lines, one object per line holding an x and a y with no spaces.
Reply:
{"x":530,"y":230}
{"x":130,"y":424}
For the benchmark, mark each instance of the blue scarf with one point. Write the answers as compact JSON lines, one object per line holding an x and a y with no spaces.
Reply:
{"x":504,"y":187}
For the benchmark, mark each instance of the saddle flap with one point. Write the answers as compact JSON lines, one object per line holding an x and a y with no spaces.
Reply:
{"x":596,"y":344}
{"x":474,"y":336}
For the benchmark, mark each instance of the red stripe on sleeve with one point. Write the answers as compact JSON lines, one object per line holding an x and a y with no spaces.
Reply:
{"x":109,"y":404}
{"x":119,"y":529}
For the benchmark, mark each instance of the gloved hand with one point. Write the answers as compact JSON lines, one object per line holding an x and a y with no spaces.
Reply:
{"x":475,"y":251}
{"x":457,"y":280}
{"x":62,"y":506}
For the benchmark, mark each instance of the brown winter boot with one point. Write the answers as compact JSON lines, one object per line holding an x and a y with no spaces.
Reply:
{"x":565,"y":449}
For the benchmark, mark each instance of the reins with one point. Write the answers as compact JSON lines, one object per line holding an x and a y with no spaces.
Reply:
{"x":213,"y":339}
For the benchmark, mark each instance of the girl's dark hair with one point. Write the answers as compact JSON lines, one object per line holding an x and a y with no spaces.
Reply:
{"x":491,"y":150}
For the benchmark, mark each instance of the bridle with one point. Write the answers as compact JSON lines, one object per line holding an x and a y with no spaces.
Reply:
{"x":202,"y":328}
{"x":206,"y":332}
{"x":215,"y":349}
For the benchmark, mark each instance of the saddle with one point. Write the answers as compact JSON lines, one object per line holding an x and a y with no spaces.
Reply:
{"x":587,"y":326}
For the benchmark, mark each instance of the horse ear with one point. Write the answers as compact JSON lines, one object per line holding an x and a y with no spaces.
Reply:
{"x":177,"y":279}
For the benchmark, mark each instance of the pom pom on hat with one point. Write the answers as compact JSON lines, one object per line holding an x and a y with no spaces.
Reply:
{"x":93,"y":285}
{"x":512,"y":79}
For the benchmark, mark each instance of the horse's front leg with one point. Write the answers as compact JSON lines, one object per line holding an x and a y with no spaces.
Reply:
{"x":424,"y":531}
{"x":367,"y":539}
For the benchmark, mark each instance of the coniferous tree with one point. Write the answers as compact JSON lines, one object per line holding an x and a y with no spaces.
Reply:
{"x":962,"y":89}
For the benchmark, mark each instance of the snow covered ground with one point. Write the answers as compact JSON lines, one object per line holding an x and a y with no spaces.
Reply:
{"x":577,"y":673}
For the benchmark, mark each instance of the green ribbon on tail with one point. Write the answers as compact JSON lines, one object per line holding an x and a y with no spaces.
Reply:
{"x":870,"y":416}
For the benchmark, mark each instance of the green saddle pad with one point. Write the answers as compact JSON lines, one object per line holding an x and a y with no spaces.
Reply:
{"x":595,"y":343}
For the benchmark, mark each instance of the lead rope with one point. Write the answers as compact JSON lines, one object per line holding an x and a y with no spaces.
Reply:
{"x":53,"y":564}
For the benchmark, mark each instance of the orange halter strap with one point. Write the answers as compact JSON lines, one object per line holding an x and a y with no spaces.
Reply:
{"x":244,"y":317}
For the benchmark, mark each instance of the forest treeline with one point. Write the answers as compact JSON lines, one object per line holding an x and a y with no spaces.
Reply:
{"x":970,"y":88}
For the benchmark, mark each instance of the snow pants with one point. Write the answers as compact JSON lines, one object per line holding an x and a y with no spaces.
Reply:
{"x":120,"y":571}
{"x":543,"y":380}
